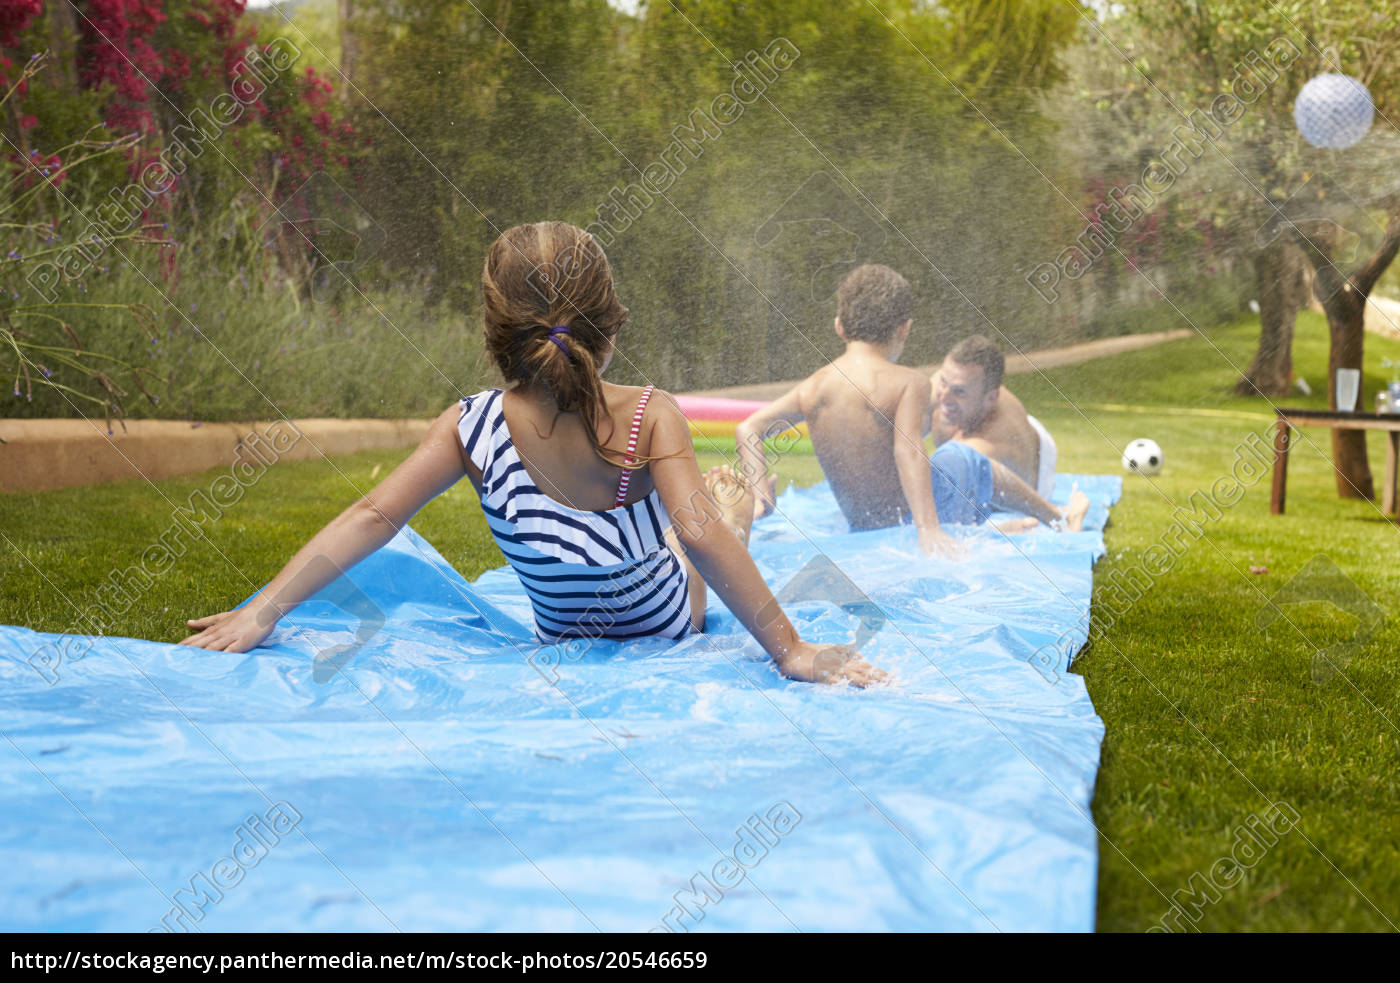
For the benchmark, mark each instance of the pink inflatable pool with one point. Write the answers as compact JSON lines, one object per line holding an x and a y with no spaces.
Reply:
{"x":717,"y":408}
{"x":715,"y":416}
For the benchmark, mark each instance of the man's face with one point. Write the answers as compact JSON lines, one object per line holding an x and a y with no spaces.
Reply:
{"x":960,"y":392}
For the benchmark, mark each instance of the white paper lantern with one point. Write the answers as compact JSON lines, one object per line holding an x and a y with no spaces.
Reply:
{"x":1333,"y":111}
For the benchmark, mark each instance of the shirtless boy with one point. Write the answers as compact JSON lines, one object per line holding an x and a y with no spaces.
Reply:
{"x":970,"y":405}
{"x":867,"y":417}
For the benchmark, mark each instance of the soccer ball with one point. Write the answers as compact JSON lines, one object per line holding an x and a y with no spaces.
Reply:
{"x":1143,"y":456}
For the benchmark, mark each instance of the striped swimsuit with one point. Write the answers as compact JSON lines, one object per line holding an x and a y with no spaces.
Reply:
{"x":588,"y":574}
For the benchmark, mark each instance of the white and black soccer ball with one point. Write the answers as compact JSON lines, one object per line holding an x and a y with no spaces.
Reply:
{"x":1143,"y":456}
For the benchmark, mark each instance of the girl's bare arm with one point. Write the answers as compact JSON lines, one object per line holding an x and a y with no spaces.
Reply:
{"x":364,"y":527}
{"x":724,"y":562}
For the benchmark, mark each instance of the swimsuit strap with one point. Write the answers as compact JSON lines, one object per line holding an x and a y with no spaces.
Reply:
{"x":632,"y":445}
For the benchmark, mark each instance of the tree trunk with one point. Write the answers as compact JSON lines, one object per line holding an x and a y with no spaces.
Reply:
{"x":349,"y":49}
{"x":1281,"y":287}
{"x":1345,"y":313}
{"x":63,"y":42}
{"x":1343,"y":297}
{"x":15,"y":134}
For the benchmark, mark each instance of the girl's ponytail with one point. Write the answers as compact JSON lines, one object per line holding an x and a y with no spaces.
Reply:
{"x":551,"y":314}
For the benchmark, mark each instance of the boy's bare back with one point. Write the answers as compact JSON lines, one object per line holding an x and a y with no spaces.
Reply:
{"x":850,"y":409}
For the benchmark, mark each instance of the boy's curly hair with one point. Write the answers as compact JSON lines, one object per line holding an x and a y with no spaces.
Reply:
{"x":872,"y":302}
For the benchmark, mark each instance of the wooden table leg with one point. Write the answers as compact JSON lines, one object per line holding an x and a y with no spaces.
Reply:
{"x":1392,"y":461}
{"x":1280,"y":488}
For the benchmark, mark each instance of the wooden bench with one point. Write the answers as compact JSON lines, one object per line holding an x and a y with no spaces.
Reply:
{"x":1333,"y":420}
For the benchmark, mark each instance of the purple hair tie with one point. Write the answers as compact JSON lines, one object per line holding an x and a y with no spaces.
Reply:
{"x":554,"y":334}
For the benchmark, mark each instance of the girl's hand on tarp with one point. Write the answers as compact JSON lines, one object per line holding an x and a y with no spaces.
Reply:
{"x":829,"y":664}
{"x":229,"y":631}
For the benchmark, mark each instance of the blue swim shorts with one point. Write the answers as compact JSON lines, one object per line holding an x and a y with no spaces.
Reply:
{"x":962,"y":484}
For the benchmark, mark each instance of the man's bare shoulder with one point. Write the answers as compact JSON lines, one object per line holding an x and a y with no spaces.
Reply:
{"x":1011,"y":402}
{"x":1010,"y":414}
{"x":1006,"y":422}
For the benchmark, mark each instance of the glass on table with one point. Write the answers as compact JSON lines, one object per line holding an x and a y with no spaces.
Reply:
{"x":1348,"y":386}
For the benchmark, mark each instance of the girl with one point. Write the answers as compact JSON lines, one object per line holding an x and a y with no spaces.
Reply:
{"x":579,"y":480}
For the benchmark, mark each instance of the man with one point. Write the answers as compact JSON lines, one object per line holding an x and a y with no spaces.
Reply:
{"x":867,"y":416}
{"x":971,"y":406}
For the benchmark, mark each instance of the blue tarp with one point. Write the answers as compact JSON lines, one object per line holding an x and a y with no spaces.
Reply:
{"x":455,"y":775}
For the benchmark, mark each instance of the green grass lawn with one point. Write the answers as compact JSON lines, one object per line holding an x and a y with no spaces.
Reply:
{"x":1210,"y":719}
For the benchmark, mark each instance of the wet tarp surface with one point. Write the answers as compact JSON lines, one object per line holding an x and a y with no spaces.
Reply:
{"x":438,"y":769}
